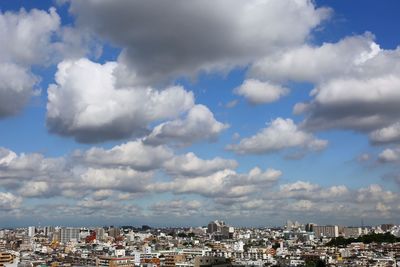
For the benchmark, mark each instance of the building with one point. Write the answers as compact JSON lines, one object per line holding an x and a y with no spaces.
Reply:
{"x":326,"y":231}
{"x":31,"y":231}
{"x":114,"y":232}
{"x":210,"y":261}
{"x":49,"y":230}
{"x":100,"y":233}
{"x":220,"y":230}
{"x":69,"y":234}
{"x":215,"y":226}
{"x":351,"y":231}
{"x":6,"y":258}
{"x":115,"y":261}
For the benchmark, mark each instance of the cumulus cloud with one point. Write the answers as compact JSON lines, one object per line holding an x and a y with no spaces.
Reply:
{"x":27,"y":166}
{"x":279,"y":134}
{"x":134,"y":154}
{"x":343,"y":103}
{"x":222,"y":184}
{"x":9,"y":201}
{"x":26,"y":41}
{"x":355,"y":81}
{"x":213,"y":38}
{"x":191,"y":165}
{"x":84,"y":103}
{"x":342,"y":73}
{"x":257,"y":92}
{"x":106,"y":186}
{"x":198,"y":125}
{"x":389,"y":155}
{"x":16,"y":88}
{"x":316,"y":64}
{"x":309,"y":191}
{"x":34,"y":189}
{"x":123,"y":179}
{"x":389,"y":134}
{"x":177,"y":207}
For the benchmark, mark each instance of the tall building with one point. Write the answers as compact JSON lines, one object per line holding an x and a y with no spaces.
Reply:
{"x":326,"y":231}
{"x":48,"y":230}
{"x":100,"y":233}
{"x":114,"y":232}
{"x":351,"y":231}
{"x":31,"y":231}
{"x":215,"y":226}
{"x":309,"y":227}
{"x":220,"y":229}
{"x":69,"y":233}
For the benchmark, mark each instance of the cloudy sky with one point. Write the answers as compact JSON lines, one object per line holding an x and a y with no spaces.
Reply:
{"x":180,"y":112}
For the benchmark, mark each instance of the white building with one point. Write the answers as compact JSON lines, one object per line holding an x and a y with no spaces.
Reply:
{"x":326,"y":231}
{"x":31,"y":231}
{"x":69,"y":234}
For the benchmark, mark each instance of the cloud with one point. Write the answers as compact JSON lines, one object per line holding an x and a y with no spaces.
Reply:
{"x":190,"y":165}
{"x":342,"y":73}
{"x":363,"y":157}
{"x":9,"y":201}
{"x":198,"y":125}
{"x":232,"y":104}
{"x":389,"y":155}
{"x":16,"y":88}
{"x":134,"y":154}
{"x":34,"y":189}
{"x":257,"y":92}
{"x":102,"y":188}
{"x":343,"y":103}
{"x":222,"y":183}
{"x":122,"y":179}
{"x":317,"y":64}
{"x":205,"y":36}
{"x":177,"y":207}
{"x":27,"y":166}
{"x":84,"y":103}
{"x":278,"y":135}
{"x":309,"y":191}
{"x":389,"y":134}
{"x":26,"y":41}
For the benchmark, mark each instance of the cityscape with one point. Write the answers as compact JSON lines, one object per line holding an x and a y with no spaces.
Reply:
{"x":217,"y":244}
{"x":199,"y":133}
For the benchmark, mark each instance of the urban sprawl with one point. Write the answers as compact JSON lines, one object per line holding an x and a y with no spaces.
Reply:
{"x":216,"y":244}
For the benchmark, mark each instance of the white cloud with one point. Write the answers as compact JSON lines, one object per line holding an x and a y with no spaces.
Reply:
{"x":318,"y":63}
{"x":222,"y":184}
{"x":26,"y":36}
{"x":198,"y":125}
{"x":389,"y":155}
{"x":213,"y":38}
{"x":16,"y":88}
{"x":34,"y":189}
{"x":123,"y":179}
{"x":389,"y":134}
{"x":309,"y":191}
{"x":375,"y":193}
{"x":257,"y":92}
{"x":177,"y":207}
{"x":9,"y":201}
{"x":84,"y":103}
{"x":25,"y":41}
{"x":134,"y":154}
{"x":190,"y":165}
{"x":279,"y":134}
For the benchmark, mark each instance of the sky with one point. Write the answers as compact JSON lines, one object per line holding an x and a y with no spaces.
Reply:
{"x":175,"y":113}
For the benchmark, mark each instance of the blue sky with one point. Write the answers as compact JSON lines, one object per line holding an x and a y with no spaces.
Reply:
{"x":255,"y":112}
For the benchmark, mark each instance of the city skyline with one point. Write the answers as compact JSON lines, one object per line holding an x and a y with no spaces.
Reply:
{"x":177,"y":113}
